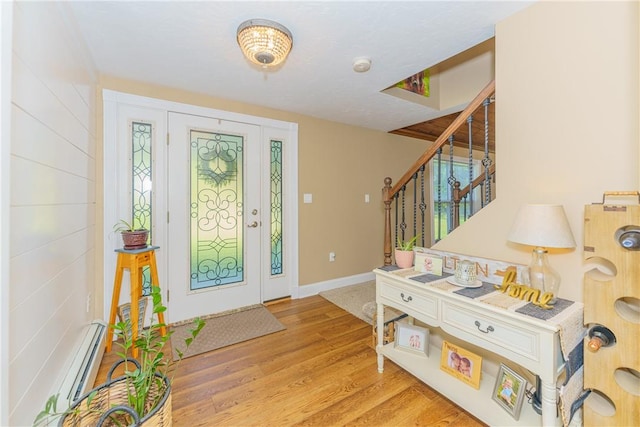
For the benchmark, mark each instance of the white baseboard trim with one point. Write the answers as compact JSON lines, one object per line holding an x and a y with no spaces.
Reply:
{"x":316,"y":288}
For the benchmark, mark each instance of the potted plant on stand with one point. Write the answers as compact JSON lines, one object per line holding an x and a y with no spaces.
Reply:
{"x":404,"y":252}
{"x":142,"y":396}
{"x":132,"y":237}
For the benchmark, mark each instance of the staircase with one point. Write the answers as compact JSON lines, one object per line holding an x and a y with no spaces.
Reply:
{"x":456,"y":196}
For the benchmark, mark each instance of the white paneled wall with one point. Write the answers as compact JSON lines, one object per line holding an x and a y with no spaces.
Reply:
{"x":52,"y":202}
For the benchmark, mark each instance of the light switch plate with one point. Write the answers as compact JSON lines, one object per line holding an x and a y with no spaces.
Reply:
{"x":308,"y":197}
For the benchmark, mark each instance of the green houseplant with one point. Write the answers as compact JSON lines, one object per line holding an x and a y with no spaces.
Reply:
{"x":132,"y":237}
{"x":142,"y":396}
{"x":404,"y":252}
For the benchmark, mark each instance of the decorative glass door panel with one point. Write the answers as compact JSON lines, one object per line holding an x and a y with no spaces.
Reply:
{"x":217,"y":231}
{"x":214,"y":229}
{"x":141,"y":188}
{"x":275,"y":182}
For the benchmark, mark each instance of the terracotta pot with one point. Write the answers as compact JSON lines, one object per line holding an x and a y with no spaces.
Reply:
{"x":135,"y":239}
{"x":404,"y":259}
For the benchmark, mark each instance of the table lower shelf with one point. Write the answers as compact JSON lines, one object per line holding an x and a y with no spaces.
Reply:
{"x":477,"y":402}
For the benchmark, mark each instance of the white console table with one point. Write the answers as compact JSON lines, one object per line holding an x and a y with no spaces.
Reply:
{"x":527,"y":341}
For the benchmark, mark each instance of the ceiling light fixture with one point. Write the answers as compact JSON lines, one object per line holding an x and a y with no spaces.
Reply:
{"x":264,"y":42}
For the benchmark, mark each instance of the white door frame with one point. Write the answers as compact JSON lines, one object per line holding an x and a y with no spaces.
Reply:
{"x":113,"y":166}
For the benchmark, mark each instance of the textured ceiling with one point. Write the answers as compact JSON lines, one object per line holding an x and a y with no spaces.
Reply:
{"x":192,"y":46}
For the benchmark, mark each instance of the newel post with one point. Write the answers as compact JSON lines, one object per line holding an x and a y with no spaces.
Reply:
{"x":386,"y":190}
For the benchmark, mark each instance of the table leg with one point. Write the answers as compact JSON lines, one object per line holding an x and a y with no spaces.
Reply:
{"x":155,"y":281}
{"x":136,"y":288}
{"x":549,"y":403}
{"x":380,"y":330}
{"x":115,"y":298}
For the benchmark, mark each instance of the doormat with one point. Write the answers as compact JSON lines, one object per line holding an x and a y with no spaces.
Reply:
{"x":224,"y":329}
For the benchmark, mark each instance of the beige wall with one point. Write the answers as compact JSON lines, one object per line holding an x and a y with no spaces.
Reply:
{"x":466,"y":74}
{"x":567,"y":116}
{"x":338,"y":165}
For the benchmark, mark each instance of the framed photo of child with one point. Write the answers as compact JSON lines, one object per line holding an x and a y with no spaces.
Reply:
{"x":461,"y":363}
{"x":509,"y":391}
{"x":412,"y":338}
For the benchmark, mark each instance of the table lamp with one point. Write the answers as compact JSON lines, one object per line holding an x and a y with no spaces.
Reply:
{"x":542,"y":226}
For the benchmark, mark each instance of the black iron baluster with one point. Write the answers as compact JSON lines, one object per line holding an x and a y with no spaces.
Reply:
{"x":439,"y":197}
{"x":415,"y":202}
{"x":452,"y":183}
{"x":486,"y":161}
{"x":396,"y":196}
{"x":470,"y":123}
{"x":403,"y":223}
{"x":423,"y":204}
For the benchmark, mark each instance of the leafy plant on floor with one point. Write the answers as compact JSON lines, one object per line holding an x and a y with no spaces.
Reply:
{"x":145,"y":389}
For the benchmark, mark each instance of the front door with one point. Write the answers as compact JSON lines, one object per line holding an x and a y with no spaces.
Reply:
{"x":215,"y":218}
{"x":219,"y":195}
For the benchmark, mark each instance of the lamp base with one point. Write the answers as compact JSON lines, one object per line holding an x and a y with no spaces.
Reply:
{"x":542,"y":276}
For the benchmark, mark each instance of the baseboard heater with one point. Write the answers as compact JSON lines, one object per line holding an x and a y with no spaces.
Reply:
{"x":86,"y":362}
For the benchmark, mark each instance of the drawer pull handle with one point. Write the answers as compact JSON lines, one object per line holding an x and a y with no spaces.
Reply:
{"x":486,"y":331}
{"x":405,"y":299}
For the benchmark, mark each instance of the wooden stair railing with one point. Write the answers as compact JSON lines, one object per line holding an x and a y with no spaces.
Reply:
{"x":389,"y":192}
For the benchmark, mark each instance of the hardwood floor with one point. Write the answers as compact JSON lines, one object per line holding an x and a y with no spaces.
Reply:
{"x":320,"y":371}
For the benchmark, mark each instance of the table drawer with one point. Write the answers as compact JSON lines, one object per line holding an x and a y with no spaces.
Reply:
{"x":410,"y":299}
{"x":508,"y":336}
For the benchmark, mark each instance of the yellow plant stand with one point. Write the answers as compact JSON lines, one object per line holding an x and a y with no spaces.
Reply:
{"x":134,"y":261}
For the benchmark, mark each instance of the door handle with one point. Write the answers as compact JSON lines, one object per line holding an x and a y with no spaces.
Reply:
{"x":254,"y":224}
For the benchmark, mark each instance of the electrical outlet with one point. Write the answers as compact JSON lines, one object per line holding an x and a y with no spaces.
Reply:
{"x":332,"y":256}
{"x":88,"y":301}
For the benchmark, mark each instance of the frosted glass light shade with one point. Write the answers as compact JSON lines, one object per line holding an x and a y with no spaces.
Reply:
{"x":543,"y":226}
{"x":264,"y":42}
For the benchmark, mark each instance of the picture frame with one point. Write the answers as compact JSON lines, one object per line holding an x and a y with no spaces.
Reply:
{"x":428,"y":263}
{"x":411,"y":338}
{"x":461,"y":364}
{"x":509,"y":391}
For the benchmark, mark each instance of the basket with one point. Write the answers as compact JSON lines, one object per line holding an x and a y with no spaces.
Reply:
{"x":111,"y":397}
{"x":389,"y":331}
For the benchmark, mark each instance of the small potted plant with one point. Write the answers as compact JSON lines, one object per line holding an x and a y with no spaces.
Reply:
{"x":142,"y":396}
{"x":132,"y":237}
{"x":404,"y":252}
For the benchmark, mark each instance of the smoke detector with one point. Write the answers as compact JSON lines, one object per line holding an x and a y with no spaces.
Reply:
{"x":361,"y":65}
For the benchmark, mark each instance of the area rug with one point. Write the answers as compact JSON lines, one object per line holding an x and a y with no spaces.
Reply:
{"x":224,"y":329}
{"x":356,"y":299}
{"x":359,"y":300}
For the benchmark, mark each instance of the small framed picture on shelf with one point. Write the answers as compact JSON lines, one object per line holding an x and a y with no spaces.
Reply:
{"x":461,"y":363}
{"x":412,"y":338}
{"x":509,"y":391}
{"x":428,"y":263}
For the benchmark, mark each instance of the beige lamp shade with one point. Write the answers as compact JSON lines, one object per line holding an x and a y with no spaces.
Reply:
{"x":543,"y":226}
